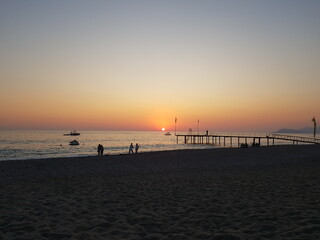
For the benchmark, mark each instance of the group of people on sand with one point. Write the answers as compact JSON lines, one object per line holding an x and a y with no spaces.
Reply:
{"x":100,"y":150}
{"x":131,"y":148}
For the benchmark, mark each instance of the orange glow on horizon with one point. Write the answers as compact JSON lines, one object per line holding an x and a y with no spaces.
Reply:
{"x":47,"y":112}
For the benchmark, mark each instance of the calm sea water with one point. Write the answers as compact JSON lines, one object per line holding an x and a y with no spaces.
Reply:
{"x":47,"y":144}
{"x":18,"y":145}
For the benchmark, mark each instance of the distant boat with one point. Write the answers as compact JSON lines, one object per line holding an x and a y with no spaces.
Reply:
{"x":74,"y":142}
{"x":73,"y":133}
{"x":167,"y":134}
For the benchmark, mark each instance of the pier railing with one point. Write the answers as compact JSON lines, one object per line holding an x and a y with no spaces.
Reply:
{"x":295,"y":138}
{"x":223,"y":138}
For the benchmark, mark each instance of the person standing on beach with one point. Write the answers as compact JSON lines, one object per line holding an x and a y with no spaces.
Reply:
{"x":131,"y":148}
{"x":99,"y":149}
{"x":137,"y":147}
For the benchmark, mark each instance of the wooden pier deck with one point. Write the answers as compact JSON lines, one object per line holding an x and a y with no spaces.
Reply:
{"x":254,"y":140}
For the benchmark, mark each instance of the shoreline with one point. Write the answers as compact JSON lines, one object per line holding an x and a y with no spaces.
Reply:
{"x":112,"y":154}
{"x":154,"y":151}
{"x":204,"y":146}
{"x":236,"y":194}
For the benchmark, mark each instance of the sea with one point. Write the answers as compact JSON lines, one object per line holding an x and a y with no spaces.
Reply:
{"x":30,"y":144}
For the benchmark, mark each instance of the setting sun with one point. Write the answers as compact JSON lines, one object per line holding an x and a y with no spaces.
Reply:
{"x":163,"y":129}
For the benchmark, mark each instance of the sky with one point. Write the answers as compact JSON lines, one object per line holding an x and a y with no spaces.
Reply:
{"x":232,"y":65}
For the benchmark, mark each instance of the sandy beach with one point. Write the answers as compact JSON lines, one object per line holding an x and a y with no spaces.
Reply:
{"x":253,"y":193}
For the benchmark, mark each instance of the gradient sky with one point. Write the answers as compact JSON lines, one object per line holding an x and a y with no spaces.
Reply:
{"x":136,"y":65}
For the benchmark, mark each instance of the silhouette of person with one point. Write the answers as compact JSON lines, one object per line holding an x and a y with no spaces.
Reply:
{"x":99,"y":149}
{"x":131,"y":148}
{"x":137,"y":147}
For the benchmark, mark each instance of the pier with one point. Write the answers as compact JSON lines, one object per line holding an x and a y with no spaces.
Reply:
{"x":254,"y":140}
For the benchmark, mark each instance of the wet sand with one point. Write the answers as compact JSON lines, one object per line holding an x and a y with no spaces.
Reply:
{"x":254,"y":193}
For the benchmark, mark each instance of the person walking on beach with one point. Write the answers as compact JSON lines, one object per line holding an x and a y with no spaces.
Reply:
{"x":131,"y":148}
{"x":137,"y":147}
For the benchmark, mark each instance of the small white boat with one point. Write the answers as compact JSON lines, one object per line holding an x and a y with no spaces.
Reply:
{"x":167,"y":134}
{"x":74,"y":142}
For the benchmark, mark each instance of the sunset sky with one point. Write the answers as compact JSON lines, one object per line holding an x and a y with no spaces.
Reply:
{"x":136,"y":65}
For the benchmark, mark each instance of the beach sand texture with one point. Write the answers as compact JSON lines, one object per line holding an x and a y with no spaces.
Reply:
{"x":254,"y":193}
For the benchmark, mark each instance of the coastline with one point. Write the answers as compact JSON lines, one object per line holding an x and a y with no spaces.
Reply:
{"x":223,"y":193}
